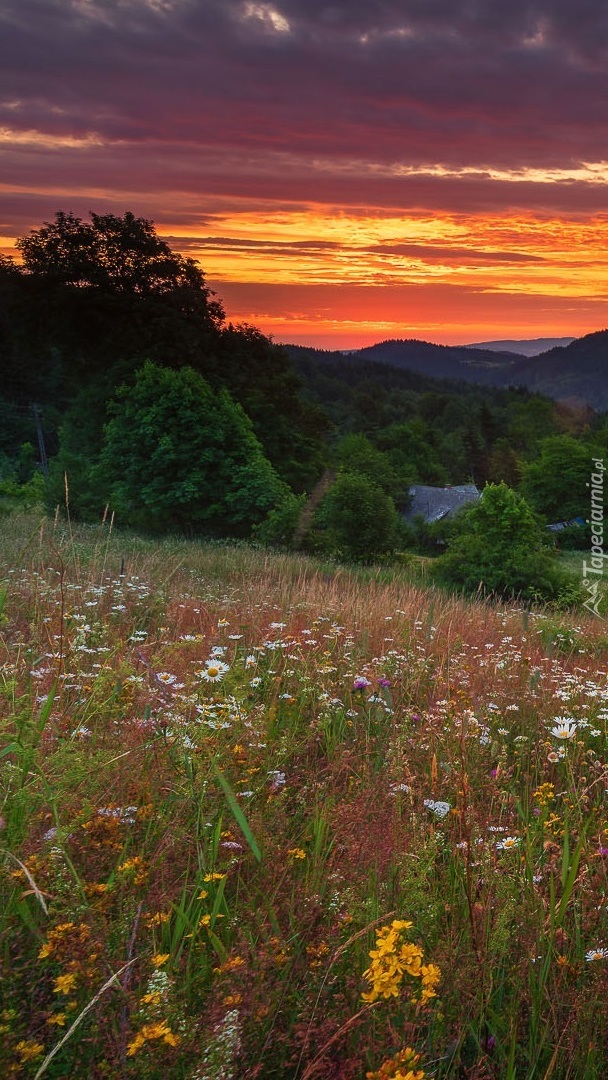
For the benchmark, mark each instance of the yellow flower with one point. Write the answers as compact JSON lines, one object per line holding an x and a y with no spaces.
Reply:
{"x":58,"y":1019}
{"x":148,"y":1033}
{"x":229,"y":965}
{"x":205,"y":920}
{"x":153,"y":998}
{"x":96,"y":889}
{"x":160,"y":958}
{"x":64,"y":984}
{"x":393,"y":1069}
{"x":297,"y":853}
{"x":29,"y":1050}
{"x":203,"y":894}
{"x":392,"y":959}
{"x":214,"y":877}
{"x":157,"y":918}
{"x":401,"y":924}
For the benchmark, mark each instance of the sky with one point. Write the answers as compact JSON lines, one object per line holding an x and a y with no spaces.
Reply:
{"x":346,"y":171}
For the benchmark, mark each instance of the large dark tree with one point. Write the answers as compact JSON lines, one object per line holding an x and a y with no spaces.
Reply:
{"x":120,"y":255}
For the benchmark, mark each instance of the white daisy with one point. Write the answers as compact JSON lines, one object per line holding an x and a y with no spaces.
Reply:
{"x":564,"y":728}
{"x":214,"y":670}
{"x":166,"y":678}
{"x":596,"y":954}
{"x":508,"y":843}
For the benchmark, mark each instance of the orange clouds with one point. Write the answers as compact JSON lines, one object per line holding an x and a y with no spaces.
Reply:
{"x":330,"y":276}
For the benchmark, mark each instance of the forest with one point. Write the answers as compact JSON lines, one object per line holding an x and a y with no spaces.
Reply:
{"x":126,"y":392}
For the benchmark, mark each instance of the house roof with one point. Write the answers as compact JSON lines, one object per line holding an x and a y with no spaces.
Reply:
{"x":435,"y":503}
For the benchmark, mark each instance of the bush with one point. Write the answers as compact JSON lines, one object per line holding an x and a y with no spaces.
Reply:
{"x":356,"y":521}
{"x":499,"y":547}
{"x":278,"y":527}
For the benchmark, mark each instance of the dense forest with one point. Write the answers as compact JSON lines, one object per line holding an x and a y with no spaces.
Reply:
{"x":126,"y":390}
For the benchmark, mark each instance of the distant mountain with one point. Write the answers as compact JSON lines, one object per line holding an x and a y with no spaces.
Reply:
{"x":577,"y":370}
{"x":526,"y":347}
{"x":484,"y":366}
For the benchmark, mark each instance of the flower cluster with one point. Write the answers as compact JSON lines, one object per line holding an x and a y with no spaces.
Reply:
{"x":400,"y":1067}
{"x":395,"y":957}
{"x":149,"y":1033}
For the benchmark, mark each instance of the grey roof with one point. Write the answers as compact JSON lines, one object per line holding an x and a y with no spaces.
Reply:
{"x":435,"y":503}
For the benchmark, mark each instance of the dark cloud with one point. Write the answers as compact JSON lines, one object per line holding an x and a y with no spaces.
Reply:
{"x":449,"y":81}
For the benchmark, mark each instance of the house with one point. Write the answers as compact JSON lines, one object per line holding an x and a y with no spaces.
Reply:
{"x":436,"y":503}
{"x":559,"y":525}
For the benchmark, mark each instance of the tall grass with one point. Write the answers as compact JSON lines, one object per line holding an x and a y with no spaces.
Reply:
{"x":225,"y":772}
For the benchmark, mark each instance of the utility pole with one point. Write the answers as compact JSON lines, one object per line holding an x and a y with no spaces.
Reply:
{"x":44,"y":461}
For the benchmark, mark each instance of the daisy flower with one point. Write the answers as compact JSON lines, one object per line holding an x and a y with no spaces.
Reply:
{"x":214,"y":670}
{"x":564,"y":728}
{"x":508,"y":843}
{"x":596,"y":954}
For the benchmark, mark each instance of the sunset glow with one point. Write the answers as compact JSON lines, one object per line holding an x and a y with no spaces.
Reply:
{"x":343,"y":172}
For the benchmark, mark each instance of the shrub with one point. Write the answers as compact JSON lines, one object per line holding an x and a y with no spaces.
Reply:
{"x":356,"y":520}
{"x":498,"y":546}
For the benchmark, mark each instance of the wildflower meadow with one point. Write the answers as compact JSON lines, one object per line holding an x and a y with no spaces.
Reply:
{"x":263,"y":817}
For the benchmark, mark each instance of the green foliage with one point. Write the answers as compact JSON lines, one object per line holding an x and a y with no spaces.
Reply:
{"x":181,"y":457}
{"x":412,"y":450}
{"x":279,"y":526}
{"x":92,"y":302}
{"x":356,"y":520}
{"x":16,"y":496}
{"x":575,"y":537}
{"x":555,"y":483}
{"x":259,"y":375}
{"x":21,"y":485}
{"x":499,"y":547}
{"x":356,"y":455}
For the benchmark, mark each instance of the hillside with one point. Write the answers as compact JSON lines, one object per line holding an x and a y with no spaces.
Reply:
{"x":579,"y":370}
{"x":575,"y":371}
{"x":452,"y":362}
{"x":232,"y":778}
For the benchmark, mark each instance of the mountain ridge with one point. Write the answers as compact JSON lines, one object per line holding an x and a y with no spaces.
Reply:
{"x":523,"y":346}
{"x":577,"y":371}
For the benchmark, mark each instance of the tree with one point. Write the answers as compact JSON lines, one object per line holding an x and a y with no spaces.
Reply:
{"x":555,"y":483}
{"x":498,"y":545}
{"x":356,"y":520}
{"x":356,"y":454}
{"x":120,"y":255}
{"x":181,"y":457}
{"x":411,"y":448}
{"x":259,"y":375}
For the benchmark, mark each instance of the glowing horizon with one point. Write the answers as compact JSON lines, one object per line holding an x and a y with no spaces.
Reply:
{"x":343,"y":172}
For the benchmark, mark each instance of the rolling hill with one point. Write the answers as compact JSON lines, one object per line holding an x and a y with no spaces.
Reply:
{"x":578,"y":370}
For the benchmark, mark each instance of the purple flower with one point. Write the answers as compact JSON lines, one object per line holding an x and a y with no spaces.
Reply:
{"x":384,"y":683}
{"x":360,"y":682}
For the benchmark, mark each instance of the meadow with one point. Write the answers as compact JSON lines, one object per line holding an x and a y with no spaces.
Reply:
{"x":266,"y":818}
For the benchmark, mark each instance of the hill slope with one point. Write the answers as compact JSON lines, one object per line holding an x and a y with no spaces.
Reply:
{"x":577,"y":370}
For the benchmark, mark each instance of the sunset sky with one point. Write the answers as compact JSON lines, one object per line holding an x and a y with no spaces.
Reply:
{"x":345,"y":171}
